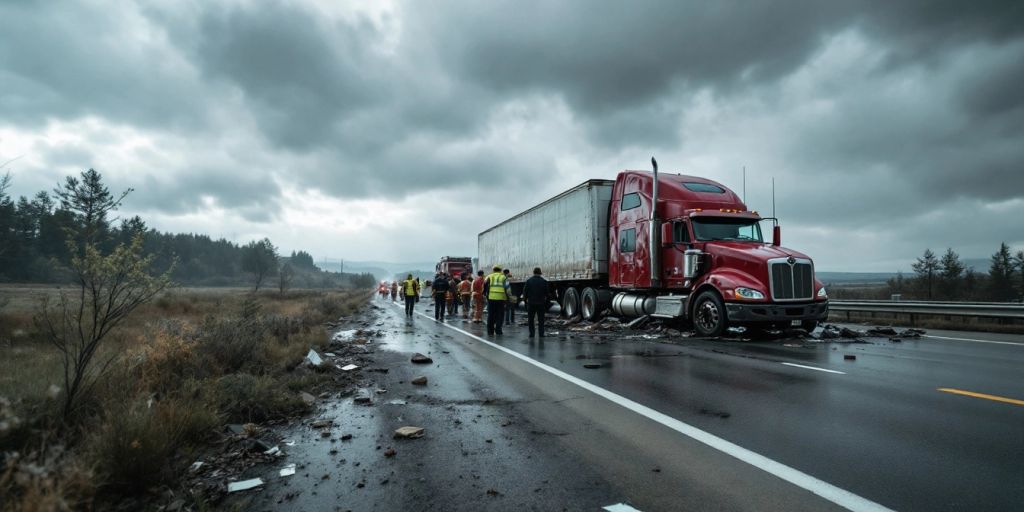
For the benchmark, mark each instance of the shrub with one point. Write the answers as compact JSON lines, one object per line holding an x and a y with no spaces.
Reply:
{"x":134,"y":444}
{"x":246,"y":398}
{"x":45,"y":481}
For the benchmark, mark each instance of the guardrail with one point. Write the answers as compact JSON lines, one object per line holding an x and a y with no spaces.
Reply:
{"x":994,"y":310}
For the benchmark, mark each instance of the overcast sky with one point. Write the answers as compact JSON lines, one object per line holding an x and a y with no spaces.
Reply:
{"x":398,"y":131}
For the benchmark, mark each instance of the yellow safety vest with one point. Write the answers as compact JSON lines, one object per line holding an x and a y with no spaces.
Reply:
{"x":410,"y":287}
{"x":497,"y":282}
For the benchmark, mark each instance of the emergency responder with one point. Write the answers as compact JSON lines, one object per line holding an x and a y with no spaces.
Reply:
{"x":535,"y":293}
{"x":440,"y":290}
{"x":410,"y":292}
{"x":465,"y":294}
{"x":496,"y":289}
{"x":453,"y":295}
{"x":394,"y":291}
{"x":478,"y":297}
{"x":513,"y":301}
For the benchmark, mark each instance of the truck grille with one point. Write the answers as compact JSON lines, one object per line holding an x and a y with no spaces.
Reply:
{"x":792,"y":281}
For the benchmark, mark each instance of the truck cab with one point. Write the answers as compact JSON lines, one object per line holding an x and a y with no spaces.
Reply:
{"x":702,"y":255}
{"x":455,"y":265}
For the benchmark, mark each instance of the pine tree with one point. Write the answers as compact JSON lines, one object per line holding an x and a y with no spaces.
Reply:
{"x":951,"y":270}
{"x":1001,"y":275}
{"x":926,"y":268}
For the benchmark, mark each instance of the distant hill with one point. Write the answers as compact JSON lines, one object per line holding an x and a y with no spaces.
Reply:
{"x":382,"y":270}
{"x":854,"y":277}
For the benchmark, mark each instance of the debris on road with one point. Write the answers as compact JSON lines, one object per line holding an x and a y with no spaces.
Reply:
{"x":363,"y":398}
{"x":592,"y":366}
{"x":849,"y":357}
{"x":419,"y":381}
{"x":314,"y":359}
{"x":244,"y":485}
{"x":308,"y":398}
{"x":421,"y":359}
{"x":322,"y":423}
{"x":390,"y":452}
{"x":288,"y":470}
{"x":349,"y":367}
{"x":410,"y":432}
{"x":638,"y":322}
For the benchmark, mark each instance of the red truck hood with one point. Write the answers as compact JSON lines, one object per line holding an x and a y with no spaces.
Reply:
{"x":747,"y":256}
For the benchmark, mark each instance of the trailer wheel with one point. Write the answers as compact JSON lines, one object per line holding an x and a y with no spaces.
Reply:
{"x":709,"y":315}
{"x":571,"y":303}
{"x":590,"y":304}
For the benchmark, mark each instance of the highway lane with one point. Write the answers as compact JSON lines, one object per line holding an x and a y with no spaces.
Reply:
{"x":881,"y":429}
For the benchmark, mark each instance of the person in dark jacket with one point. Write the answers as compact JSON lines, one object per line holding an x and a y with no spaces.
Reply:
{"x":535,"y":293}
{"x":440,"y":291}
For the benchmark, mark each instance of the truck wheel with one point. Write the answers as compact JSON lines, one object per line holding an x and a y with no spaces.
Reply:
{"x":709,"y":315}
{"x":590,"y":305}
{"x":809,"y":325}
{"x":571,"y":303}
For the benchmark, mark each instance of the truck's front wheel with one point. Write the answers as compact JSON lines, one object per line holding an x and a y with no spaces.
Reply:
{"x":709,"y":315}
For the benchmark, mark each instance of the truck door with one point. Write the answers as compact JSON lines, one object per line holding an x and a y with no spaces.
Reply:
{"x":627,"y":253}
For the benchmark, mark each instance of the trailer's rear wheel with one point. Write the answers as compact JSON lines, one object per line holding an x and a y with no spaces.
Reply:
{"x":709,"y":315}
{"x":571,"y":302}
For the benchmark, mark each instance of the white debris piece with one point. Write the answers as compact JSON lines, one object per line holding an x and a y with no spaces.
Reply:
{"x":349,"y":367}
{"x":273,"y":451}
{"x":244,"y":485}
{"x":330,"y":354}
{"x":196,"y":465}
{"x":619,"y":507}
{"x":314,"y":358}
{"x":288,"y":470}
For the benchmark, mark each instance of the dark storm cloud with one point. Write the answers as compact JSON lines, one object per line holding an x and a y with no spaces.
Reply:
{"x":65,"y":60}
{"x":254,"y":197}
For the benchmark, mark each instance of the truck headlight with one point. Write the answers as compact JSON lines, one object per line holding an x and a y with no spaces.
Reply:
{"x":747,"y":293}
{"x":822,"y":294}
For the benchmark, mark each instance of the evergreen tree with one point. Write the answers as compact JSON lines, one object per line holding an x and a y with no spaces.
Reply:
{"x":259,"y":258}
{"x":90,"y":201}
{"x":926,"y":267}
{"x":1018,"y":261}
{"x":951,"y":271}
{"x":1001,"y":275}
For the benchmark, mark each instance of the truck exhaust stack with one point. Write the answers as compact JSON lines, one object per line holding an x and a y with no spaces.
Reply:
{"x":654,"y":231}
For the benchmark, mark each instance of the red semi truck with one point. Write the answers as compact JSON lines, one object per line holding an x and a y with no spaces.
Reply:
{"x":455,"y":265}
{"x":669,"y":246}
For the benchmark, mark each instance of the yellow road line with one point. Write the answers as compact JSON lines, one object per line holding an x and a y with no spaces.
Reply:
{"x":994,"y":398}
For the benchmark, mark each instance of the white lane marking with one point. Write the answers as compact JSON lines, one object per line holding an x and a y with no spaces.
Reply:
{"x":974,"y":340}
{"x":814,"y":368}
{"x":841,"y":497}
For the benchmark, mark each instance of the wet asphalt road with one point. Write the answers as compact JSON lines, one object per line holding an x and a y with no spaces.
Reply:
{"x":503,"y":434}
{"x":881,"y":429}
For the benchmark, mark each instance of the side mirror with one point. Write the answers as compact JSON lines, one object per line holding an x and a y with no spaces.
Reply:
{"x":777,"y":235}
{"x":666,"y":234}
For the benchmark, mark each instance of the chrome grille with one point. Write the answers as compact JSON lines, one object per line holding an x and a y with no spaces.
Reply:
{"x":791,"y":281}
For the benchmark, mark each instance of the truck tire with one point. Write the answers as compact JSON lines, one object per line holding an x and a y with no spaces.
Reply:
{"x":571,"y":303}
{"x":709,"y":318}
{"x":590,"y":305}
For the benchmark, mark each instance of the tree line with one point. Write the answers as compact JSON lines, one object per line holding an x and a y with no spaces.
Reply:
{"x":947,"y":278}
{"x":35,"y":246}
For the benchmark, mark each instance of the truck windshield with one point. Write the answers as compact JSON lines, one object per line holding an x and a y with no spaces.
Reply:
{"x":722,"y":228}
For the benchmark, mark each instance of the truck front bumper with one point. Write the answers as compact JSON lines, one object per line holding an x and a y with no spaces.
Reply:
{"x":745,"y":312}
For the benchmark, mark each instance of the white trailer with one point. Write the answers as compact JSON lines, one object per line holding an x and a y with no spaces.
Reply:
{"x":566,"y":236}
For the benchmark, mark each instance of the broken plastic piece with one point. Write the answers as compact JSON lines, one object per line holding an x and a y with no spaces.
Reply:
{"x":273,"y":451}
{"x":314,"y":358}
{"x":619,"y":507}
{"x":410,"y":432}
{"x":349,"y":367}
{"x":244,"y":485}
{"x":288,"y":470}
{"x":196,"y":465}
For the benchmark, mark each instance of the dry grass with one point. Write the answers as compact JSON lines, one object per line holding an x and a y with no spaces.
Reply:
{"x":182,"y":366}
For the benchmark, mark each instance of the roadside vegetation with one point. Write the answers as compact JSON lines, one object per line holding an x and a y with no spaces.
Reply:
{"x":947,"y":278}
{"x":111,"y":382}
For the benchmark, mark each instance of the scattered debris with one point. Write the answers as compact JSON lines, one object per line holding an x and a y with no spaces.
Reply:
{"x":390,"y":452}
{"x":397,"y":401}
{"x":346,"y":437}
{"x":619,"y":507}
{"x":638,"y":322}
{"x":234,"y":429}
{"x":882,"y":332}
{"x":363,"y":397}
{"x":195,"y":466}
{"x":313,"y":358}
{"x":849,"y":357}
{"x":419,"y":381}
{"x":308,"y":398}
{"x":421,"y":359}
{"x":494,"y":493}
{"x":592,"y":366}
{"x":288,"y":470}
{"x":244,"y":485}
{"x":410,"y":432}
{"x":322,"y":423}
{"x":261,"y":446}
{"x":349,"y":367}
{"x":273,"y":451}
